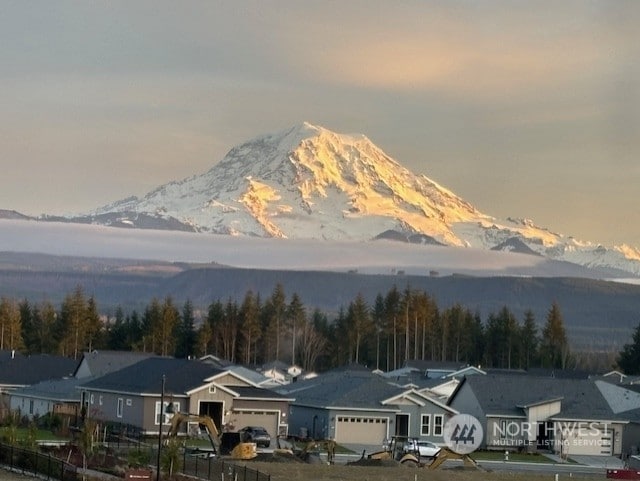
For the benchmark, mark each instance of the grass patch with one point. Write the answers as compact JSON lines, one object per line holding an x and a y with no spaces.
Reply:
{"x":23,"y":433}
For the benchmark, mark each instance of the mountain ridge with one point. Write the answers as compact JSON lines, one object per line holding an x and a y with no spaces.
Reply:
{"x":308,"y":182}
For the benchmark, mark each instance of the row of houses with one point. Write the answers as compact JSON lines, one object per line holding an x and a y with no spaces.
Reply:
{"x":567,"y":413}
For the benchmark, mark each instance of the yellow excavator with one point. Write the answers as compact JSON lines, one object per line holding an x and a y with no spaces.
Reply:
{"x":396,"y":450}
{"x":240,"y":451}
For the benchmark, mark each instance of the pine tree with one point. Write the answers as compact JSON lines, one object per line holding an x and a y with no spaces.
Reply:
{"x":296,"y":319}
{"x":359,"y":325}
{"x":629,"y":358}
{"x":529,"y":340}
{"x":251,"y":331}
{"x":554,"y":346}
{"x":10,"y":325}
{"x":186,"y":339}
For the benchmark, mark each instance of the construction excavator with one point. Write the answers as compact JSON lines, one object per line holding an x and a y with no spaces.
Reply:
{"x":241,"y":450}
{"x":396,"y":450}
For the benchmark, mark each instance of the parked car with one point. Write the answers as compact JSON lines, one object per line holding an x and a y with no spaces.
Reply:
{"x":255,"y":434}
{"x":426,"y":449}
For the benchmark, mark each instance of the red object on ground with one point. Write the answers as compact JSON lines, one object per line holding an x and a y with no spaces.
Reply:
{"x":623,"y":474}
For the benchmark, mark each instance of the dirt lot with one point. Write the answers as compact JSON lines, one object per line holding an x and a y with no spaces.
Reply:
{"x":319,"y":472}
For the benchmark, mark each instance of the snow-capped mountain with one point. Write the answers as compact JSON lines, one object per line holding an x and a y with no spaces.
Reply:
{"x":311,"y":183}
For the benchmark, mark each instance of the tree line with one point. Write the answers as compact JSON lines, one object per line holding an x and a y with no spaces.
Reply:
{"x":399,"y":326}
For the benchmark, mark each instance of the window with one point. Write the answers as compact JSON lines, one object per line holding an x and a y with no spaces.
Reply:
{"x":128,"y":402}
{"x":176,"y":409}
{"x":212,"y":389}
{"x":100,"y":400}
{"x":91,"y":398}
{"x":425,"y":428}
{"x":30,"y":406}
{"x":120,"y":407}
{"x":438,"y":423}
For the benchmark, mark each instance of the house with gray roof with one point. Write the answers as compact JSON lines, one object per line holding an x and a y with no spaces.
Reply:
{"x":98,"y":363}
{"x":132,"y":395}
{"x":58,"y":396}
{"x":19,"y":371}
{"x":564,"y":416}
{"x":355,"y":406}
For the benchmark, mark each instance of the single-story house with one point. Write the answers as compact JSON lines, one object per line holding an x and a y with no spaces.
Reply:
{"x":19,"y":371}
{"x":356,"y":406}
{"x":521,"y":412}
{"x":58,"y":396}
{"x":133,"y":396}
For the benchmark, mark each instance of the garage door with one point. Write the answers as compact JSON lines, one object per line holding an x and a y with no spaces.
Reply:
{"x":266,"y":419}
{"x":361,"y":430}
{"x":589,"y":442}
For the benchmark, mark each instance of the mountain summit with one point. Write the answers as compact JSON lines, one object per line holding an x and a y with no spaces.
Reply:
{"x":307,"y":182}
{"x":311,"y":183}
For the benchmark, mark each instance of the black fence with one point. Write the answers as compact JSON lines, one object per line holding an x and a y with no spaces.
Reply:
{"x":28,"y":461}
{"x":220,"y":470}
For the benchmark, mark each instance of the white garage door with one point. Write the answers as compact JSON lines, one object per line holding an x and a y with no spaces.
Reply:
{"x":361,"y":430}
{"x":589,"y":442}
{"x":266,"y":419}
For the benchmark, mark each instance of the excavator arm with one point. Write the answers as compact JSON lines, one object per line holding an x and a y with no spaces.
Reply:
{"x":212,"y":431}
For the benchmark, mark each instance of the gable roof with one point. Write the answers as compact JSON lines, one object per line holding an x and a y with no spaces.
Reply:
{"x":22,"y":370}
{"x":145,"y":377}
{"x":99,"y":363}
{"x":62,"y":390}
{"x":348,"y":389}
{"x":507,"y":395}
{"x":252,"y":392}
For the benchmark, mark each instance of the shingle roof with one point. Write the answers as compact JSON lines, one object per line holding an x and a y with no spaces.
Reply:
{"x":250,"y":392}
{"x":56,"y":390}
{"x":104,"y":362}
{"x":181,"y":375}
{"x":27,"y":370}
{"x":501,"y":395}
{"x":342,"y":388}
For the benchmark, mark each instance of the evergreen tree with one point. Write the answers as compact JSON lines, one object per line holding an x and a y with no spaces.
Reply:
{"x":296,"y":319}
{"x":554,"y":346}
{"x":10,"y":325}
{"x":45,"y":335}
{"x":186,"y":342}
{"x":150,"y":325}
{"x":117,"y":332}
{"x":251,"y":331}
{"x":359,"y":325}
{"x":629,"y":358}
{"x":75,"y":324}
{"x":27,"y":326}
{"x":529,"y":341}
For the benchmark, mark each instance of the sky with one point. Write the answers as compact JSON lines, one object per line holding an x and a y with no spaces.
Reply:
{"x":524,"y":109}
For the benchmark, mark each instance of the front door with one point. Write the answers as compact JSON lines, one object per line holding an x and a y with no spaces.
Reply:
{"x":402,"y":425}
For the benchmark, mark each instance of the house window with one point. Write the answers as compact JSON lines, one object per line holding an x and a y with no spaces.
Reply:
{"x":176,"y":409}
{"x":120,"y":407}
{"x":100,"y":400}
{"x":425,"y":428}
{"x":438,"y":423}
{"x":128,"y":402}
{"x":30,"y":406}
{"x":212,"y":389}
{"x":91,"y":398}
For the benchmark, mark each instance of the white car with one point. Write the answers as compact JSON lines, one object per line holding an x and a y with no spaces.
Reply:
{"x":426,"y":449}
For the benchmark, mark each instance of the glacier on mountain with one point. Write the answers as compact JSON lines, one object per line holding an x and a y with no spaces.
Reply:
{"x":311,"y":183}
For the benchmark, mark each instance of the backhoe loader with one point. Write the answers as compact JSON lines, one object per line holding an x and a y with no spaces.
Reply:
{"x":240,"y":451}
